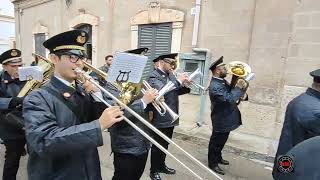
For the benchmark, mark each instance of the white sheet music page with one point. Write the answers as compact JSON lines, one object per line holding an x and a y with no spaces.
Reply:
{"x":30,"y":72}
{"x":127,"y":67}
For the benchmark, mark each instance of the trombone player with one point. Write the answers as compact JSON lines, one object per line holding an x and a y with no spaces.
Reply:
{"x":130,"y":148}
{"x":159,"y":78}
{"x":11,"y":124}
{"x":225,"y":115}
{"x":63,"y":122}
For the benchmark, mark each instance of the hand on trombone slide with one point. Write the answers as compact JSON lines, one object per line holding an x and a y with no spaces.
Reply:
{"x":110,"y":116}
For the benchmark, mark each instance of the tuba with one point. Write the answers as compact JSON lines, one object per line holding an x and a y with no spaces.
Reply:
{"x":47,"y":68}
{"x":240,"y":70}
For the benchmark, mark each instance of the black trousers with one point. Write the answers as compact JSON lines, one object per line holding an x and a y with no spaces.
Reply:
{"x":157,"y":156}
{"x":216,"y":144}
{"x":128,"y":166}
{"x":14,"y":151}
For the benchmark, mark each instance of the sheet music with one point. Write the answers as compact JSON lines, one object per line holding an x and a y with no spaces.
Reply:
{"x":127,"y":67}
{"x":30,"y":72}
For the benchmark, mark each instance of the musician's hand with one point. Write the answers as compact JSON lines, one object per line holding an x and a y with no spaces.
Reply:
{"x":162,"y":99}
{"x":150,"y":95}
{"x":89,"y":87}
{"x":242,"y":84}
{"x":15,"y":101}
{"x":187,"y":83}
{"x":183,"y":77}
{"x":110,"y":116}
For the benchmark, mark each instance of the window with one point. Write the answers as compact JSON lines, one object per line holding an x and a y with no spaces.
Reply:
{"x":191,"y":66}
{"x":39,"y":38}
{"x":156,"y":37}
{"x":87,"y":28}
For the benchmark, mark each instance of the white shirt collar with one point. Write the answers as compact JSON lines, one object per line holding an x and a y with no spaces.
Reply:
{"x":63,"y":80}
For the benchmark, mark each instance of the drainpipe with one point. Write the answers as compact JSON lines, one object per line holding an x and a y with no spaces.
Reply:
{"x":200,"y":118}
{"x":19,"y":12}
{"x":196,"y":24}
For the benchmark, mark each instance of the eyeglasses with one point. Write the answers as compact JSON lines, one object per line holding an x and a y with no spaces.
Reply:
{"x":20,"y":65}
{"x":74,"y":58}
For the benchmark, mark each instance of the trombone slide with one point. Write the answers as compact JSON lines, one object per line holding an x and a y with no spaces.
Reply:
{"x":154,"y":129}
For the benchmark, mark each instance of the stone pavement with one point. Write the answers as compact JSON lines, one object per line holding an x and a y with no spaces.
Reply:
{"x":240,"y":169}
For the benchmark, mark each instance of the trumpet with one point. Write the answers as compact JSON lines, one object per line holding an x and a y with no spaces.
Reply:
{"x":159,"y":105}
{"x":195,"y":74}
{"x":145,"y":122}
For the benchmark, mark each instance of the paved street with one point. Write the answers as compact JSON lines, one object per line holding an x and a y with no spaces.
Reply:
{"x":240,"y":168}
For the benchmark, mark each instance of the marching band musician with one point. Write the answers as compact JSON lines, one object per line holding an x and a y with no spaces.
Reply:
{"x":11,"y":121}
{"x":225,"y":115}
{"x":63,"y":123}
{"x":129,"y":147}
{"x":108,"y":62}
{"x":301,"y":122}
{"x":159,"y":78}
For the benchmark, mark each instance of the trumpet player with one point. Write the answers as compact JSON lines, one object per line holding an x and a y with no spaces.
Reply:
{"x":159,"y":78}
{"x":11,"y":124}
{"x":63,"y":123}
{"x":130,"y":149}
{"x":225,"y":115}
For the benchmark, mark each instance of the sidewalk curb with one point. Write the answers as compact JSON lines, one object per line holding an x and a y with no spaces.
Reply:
{"x":253,"y":156}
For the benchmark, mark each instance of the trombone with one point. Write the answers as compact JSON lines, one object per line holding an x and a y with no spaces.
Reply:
{"x":100,"y":73}
{"x":145,"y":122}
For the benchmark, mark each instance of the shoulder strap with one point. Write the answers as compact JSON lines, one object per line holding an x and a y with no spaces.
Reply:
{"x":74,"y":109}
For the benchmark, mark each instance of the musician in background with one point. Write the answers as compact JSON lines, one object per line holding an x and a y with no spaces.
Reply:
{"x":63,"y":122}
{"x":108,"y":62}
{"x":130,"y":148}
{"x":11,"y":121}
{"x":225,"y":115}
{"x":159,"y":78}
{"x":301,"y":122}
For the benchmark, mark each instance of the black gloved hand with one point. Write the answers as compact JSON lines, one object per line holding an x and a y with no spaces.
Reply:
{"x":15,"y":101}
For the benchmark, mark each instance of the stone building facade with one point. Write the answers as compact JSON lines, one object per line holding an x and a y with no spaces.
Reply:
{"x":7,"y":24}
{"x":278,"y":39}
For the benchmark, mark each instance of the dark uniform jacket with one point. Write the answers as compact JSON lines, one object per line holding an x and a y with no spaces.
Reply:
{"x":302,"y":121}
{"x":225,"y":114}
{"x":306,"y":161}
{"x":9,"y":88}
{"x":62,"y":144}
{"x":104,"y":68}
{"x":157,"y":80}
{"x":124,"y":138}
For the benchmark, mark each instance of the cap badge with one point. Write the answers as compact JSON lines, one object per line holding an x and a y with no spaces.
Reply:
{"x":81,"y":39}
{"x":14,"y":53}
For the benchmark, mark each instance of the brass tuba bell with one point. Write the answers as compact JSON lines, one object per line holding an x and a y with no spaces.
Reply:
{"x":240,"y":70}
